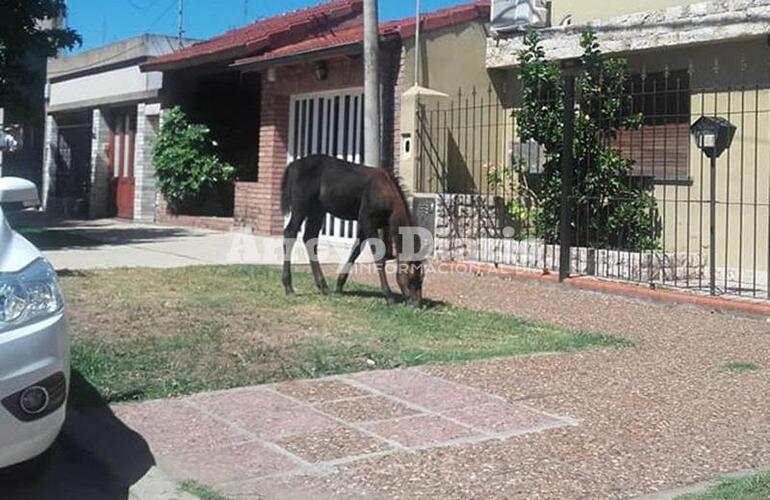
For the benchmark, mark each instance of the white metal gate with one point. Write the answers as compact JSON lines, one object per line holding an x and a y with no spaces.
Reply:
{"x":329,"y":123}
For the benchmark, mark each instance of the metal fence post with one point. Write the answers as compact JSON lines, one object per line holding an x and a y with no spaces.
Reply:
{"x":713,"y":229}
{"x":567,"y":167}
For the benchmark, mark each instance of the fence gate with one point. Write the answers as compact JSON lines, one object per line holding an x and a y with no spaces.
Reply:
{"x":329,"y":123}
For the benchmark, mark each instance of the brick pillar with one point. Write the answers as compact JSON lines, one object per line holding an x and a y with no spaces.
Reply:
{"x":147,"y":124}
{"x":100,"y":175}
{"x":273,"y":152}
{"x":49,"y":163}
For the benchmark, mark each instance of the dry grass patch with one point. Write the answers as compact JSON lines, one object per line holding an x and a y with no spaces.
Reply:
{"x":147,"y":333}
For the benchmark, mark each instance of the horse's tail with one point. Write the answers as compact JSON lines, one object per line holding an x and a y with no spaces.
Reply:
{"x":286,"y":191}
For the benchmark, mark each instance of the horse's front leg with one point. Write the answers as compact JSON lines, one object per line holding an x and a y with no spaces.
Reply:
{"x":384,"y":282}
{"x":380,"y":253}
{"x":345,"y":273}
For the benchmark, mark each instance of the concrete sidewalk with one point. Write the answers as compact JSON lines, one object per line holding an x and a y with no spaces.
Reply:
{"x":113,"y":243}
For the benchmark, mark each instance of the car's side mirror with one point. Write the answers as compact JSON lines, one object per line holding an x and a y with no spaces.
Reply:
{"x":16,"y":192}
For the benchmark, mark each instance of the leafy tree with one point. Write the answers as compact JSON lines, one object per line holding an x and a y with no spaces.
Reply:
{"x":22,"y":36}
{"x":186,"y":161}
{"x":611,"y":212}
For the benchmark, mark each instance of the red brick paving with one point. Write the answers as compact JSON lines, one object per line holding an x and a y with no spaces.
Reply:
{"x":241,"y":436}
{"x":229,"y":463}
{"x":264,"y":412}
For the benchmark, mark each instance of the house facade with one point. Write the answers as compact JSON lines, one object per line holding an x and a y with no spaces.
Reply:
{"x":102,"y":115}
{"x":292,"y":85}
{"x":686,"y":59}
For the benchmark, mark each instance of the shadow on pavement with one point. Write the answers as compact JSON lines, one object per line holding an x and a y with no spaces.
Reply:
{"x":80,"y":235}
{"x":95,"y":458}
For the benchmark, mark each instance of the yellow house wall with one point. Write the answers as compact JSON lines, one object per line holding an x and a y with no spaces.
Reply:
{"x":732,"y":81}
{"x":452,"y":61}
{"x":586,"y":10}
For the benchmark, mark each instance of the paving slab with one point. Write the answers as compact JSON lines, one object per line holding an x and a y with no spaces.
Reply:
{"x":332,"y":444}
{"x":176,"y":426}
{"x":229,"y":463}
{"x":366,"y":409}
{"x":234,"y":439}
{"x":422,"y":431}
{"x":264,"y":413}
{"x":419,"y":388}
{"x":317,"y":391}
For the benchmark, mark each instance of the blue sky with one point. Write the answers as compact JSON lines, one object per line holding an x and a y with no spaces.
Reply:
{"x":105,"y":21}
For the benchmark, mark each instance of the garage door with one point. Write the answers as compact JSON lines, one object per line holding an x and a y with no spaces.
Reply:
{"x":329,"y":123}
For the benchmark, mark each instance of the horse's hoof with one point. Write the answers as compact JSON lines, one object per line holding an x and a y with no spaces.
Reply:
{"x":325,"y":291}
{"x":290,"y":292}
{"x":391,"y":303}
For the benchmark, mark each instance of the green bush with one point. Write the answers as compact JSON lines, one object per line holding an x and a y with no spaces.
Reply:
{"x":186,"y":161}
{"x":610,"y":211}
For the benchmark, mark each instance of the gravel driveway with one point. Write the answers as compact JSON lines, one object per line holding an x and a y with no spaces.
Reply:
{"x":663,"y":414}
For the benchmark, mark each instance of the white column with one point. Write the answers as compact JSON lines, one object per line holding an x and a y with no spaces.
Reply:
{"x":49,"y":161}
{"x":145,"y":193}
{"x":100,"y":176}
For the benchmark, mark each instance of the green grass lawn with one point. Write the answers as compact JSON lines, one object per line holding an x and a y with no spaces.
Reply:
{"x":145,"y":333}
{"x":737,"y":367}
{"x":756,"y":487}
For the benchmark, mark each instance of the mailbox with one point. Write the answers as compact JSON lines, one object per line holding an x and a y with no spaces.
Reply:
{"x":713,"y":135}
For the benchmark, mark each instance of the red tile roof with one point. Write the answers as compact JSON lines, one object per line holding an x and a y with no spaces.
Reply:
{"x":265,"y":34}
{"x":404,"y":28}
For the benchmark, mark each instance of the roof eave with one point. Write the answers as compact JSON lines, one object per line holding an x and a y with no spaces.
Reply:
{"x":249,"y":65}
{"x":225,"y":56}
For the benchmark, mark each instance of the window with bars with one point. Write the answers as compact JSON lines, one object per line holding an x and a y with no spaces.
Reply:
{"x":660,"y":147}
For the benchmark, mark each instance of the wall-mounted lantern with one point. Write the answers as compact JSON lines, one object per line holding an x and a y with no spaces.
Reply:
{"x":321,"y":71}
{"x":713,"y":135}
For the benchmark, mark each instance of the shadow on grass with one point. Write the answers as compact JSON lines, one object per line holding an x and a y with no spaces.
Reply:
{"x":372,"y":294}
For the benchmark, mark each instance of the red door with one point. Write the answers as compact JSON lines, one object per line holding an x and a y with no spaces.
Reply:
{"x":122,"y":162}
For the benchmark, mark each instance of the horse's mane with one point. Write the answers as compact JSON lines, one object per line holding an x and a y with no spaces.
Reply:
{"x":398,"y":182}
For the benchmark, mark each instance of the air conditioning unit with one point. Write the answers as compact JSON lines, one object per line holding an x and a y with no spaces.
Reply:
{"x":519,"y":15}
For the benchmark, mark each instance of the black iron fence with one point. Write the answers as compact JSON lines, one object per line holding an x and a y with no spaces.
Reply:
{"x":667,"y":226}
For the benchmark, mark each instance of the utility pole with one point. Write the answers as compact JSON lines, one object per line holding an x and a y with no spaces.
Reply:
{"x":372,"y":138}
{"x":417,"y":47}
{"x":180,"y":17}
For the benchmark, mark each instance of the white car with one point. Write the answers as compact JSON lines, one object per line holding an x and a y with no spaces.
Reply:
{"x":34,"y":339}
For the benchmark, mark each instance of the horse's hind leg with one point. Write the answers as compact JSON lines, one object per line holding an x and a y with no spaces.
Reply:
{"x":289,"y":238}
{"x":312,"y":230}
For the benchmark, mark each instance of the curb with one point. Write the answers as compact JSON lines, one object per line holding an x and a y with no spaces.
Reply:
{"x":96,"y":437}
{"x":616,"y":288}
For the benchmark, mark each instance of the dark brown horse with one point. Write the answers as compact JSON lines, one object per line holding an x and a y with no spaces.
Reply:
{"x":317,"y":185}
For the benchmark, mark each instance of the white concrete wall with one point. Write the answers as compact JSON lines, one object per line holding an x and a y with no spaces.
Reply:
{"x":113,"y":83}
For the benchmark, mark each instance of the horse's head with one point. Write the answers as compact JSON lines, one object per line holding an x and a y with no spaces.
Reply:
{"x":409,"y":277}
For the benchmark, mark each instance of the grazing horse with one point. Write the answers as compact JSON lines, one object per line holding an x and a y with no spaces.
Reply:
{"x":317,"y":185}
